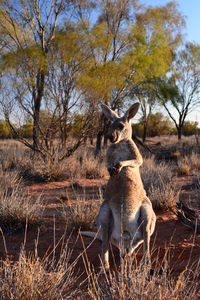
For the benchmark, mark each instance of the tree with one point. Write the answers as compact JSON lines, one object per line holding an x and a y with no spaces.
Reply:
{"x":158,"y":125}
{"x":181,"y":89}
{"x":27,"y":29}
{"x":131,"y":48}
{"x":4,"y":130}
{"x":43,"y":73}
{"x":190,"y":128}
{"x":157,"y":34}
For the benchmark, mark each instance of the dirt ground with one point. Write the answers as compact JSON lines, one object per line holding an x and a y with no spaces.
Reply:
{"x":170,"y":233}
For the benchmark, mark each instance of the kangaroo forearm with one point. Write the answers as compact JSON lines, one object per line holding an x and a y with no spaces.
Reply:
{"x":132,"y":163}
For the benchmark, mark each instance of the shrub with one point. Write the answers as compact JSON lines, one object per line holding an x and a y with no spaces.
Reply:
{"x":82,"y":216}
{"x":17,"y":208}
{"x":84,"y":164}
{"x":157,"y":179}
{"x":40,"y":171}
{"x":5,"y":131}
{"x":33,"y":278}
{"x":189,"y":164}
{"x":134,"y":282}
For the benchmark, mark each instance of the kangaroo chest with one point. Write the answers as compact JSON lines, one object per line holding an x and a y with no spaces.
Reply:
{"x":119,"y":152}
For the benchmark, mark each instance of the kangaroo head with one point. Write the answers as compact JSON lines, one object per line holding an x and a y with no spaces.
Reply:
{"x":120,"y":128}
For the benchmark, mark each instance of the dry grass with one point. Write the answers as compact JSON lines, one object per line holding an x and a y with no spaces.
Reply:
{"x":82,"y":216}
{"x":40,"y":171}
{"x":189,"y":164}
{"x":134,"y":282}
{"x":184,"y":166}
{"x":16,"y":206}
{"x":83,"y":164}
{"x":157,"y":179}
{"x":170,"y":140}
{"x":33,"y":278}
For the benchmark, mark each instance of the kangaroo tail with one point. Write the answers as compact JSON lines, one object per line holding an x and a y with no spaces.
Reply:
{"x":95,"y":235}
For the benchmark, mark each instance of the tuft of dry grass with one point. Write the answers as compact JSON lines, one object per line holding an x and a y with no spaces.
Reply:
{"x":189,"y":164}
{"x":33,"y":278}
{"x":184,"y":166}
{"x":16,"y":207}
{"x":82,"y":216}
{"x":40,"y":171}
{"x":83,"y":164}
{"x":164,"y":197}
{"x":157,"y":178}
{"x":133,"y":281}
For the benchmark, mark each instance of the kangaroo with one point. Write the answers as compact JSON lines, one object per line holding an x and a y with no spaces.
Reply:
{"x":126,"y":217}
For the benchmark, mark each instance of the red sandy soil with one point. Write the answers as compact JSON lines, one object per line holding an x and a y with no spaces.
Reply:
{"x":170,"y":233}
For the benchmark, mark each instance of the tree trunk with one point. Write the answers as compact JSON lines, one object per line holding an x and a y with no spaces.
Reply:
{"x":98,"y":142}
{"x":105,"y":132}
{"x":37,"y":105}
{"x":179,"y":129}
{"x":144,"y":132}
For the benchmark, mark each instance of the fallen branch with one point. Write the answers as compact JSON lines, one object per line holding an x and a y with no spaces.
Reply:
{"x":188,"y":216}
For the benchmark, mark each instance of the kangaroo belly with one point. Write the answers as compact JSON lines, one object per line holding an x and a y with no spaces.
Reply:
{"x":125,"y":188}
{"x":126,"y":221}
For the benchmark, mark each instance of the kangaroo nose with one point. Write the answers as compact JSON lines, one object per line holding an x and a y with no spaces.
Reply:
{"x":111,"y":138}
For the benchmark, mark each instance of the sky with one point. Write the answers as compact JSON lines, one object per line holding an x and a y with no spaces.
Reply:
{"x":191,"y":10}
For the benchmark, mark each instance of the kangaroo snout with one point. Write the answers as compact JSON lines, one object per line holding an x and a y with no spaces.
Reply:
{"x":113,"y":137}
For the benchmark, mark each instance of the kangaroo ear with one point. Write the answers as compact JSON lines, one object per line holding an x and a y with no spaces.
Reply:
{"x":109,"y":113}
{"x":131,"y":112}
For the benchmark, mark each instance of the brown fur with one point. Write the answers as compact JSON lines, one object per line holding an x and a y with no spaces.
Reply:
{"x":126,"y":217}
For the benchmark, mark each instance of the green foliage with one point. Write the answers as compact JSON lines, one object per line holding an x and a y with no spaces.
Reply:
{"x":78,"y":125}
{"x":27,"y":130}
{"x":54,"y":70}
{"x":5,"y":131}
{"x":181,"y":88}
{"x":158,"y":125}
{"x":190,"y":128}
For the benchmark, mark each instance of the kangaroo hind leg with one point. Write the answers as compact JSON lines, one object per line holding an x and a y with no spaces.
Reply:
{"x":148,"y":225}
{"x":105,"y":222}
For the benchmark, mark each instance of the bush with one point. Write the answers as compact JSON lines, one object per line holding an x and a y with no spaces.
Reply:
{"x":189,"y":164}
{"x":190,"y":128}
{"x":17,"y":208}
{"x":33,"y":278}
{"x":157,"y":179}
{"x":134,"y":282}
{"x":158,"y":125}
{"x":5,"y":131}
{"x":41,"y":171}
{"x":27,"y":130}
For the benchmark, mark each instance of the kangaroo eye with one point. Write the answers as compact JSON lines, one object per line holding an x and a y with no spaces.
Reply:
{"x":120,"y":126}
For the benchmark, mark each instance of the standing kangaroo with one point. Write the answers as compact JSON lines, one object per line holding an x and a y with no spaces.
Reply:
{"x":126,"y":217}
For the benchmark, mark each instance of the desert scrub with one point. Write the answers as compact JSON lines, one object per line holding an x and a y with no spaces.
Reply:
{"x":81,"y":164}
{"x":83,"y":212}
{"x":38,"y":170}
{"x":81,"y":216}
{"x":157,"y":180}
{"x":133,"y":282}
{"x":34,"y":278}
{"x":84,"y":164}
{"x":11,"y":154}
{"x":189,"y":164}
{"x":184,"y":166}
{"x":17,"y":208}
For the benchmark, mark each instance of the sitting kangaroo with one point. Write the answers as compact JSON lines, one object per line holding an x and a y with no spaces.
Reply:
{"x":126,"y":217}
